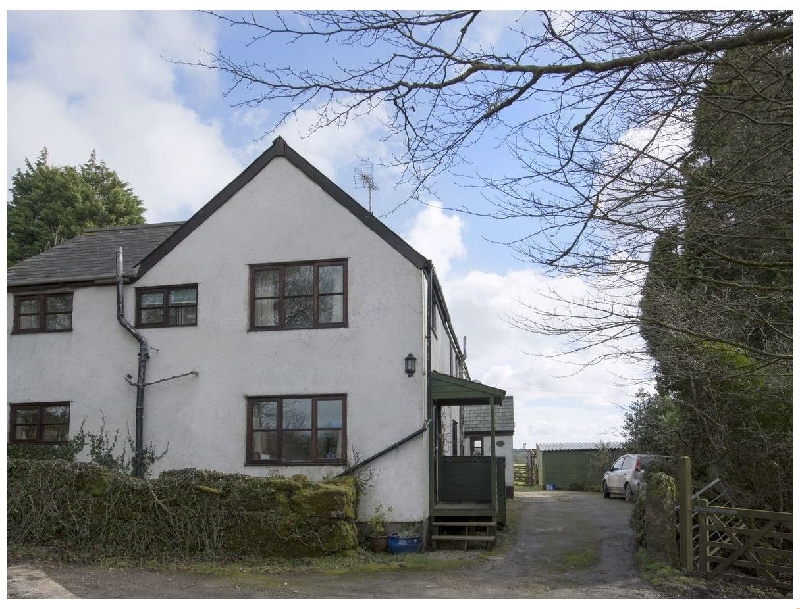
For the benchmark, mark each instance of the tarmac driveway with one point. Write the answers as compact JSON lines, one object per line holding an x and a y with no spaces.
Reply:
{"x":566,"y":545}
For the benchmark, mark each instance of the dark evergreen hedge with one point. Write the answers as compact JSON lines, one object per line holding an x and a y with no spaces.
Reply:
{"x":86,"y":508}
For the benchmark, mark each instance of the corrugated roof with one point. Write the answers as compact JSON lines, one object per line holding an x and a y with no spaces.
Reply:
{"x":478,"y":418}
{"x":92,"y":256}
{"x":577,"y":446}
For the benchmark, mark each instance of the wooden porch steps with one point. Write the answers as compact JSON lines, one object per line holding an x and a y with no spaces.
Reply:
{"x":477,"y":531}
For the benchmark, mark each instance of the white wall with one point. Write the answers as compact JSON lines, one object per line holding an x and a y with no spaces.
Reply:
{"x":279,"y":216}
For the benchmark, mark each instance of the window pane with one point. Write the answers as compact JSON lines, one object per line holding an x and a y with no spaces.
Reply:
{"x":183,"y":296}
{"x":298,"y":312}
{"x":152,"y":316}
{"x":152,"y":299}
{"x":30,"y":305}
{"x":25,"y":432}
{"x":28,"y":416}
{"x":267,"y":283}
{"x":56,"y":414}
{"x":331,"y":309}
{"x":55,"y":433}
{"x":267,"y":312}
{"x":296,"y":445}
{"x":331,"y":279}
{"x":183,"y":316}
{"x":297,"y":413}
{"x":58,"y":321}
{"x":265,"y":445}
{"x":28,"y":322}
{"x":56,"y":304}
{"x":329,"y":445}
{"x":329,"y":413}
{"x":299,"y":280}
{"x":265,"y":415}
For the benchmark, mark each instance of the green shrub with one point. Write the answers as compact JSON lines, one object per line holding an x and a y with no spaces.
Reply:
{"x":87,"y":509}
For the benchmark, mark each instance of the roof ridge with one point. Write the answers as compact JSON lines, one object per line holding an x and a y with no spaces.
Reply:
{"x":101,"y":229}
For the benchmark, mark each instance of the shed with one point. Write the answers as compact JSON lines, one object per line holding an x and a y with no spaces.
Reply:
{"x":570,"y":465}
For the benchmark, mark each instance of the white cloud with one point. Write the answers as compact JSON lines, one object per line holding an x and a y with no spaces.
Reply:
{"x":554,"y":401}
{"x":438,"y":236}
{"x":98,"y":80}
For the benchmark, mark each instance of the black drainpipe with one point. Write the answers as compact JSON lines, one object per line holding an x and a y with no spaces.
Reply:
{"x":428,"y":272}
{"x":144,"y":355}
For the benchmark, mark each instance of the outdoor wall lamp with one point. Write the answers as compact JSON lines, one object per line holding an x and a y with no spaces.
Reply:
{"x":411,"y":364}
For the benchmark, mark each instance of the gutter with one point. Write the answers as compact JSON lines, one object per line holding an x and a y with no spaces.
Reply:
{"x":144,"y":355}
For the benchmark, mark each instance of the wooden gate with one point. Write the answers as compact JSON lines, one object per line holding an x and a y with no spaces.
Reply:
{"x":752,"y":546}
{"x":721,"y":540}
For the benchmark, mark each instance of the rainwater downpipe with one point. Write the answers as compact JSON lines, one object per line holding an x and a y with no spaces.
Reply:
{"x":428,"y":272}
{"x":144,"y":355}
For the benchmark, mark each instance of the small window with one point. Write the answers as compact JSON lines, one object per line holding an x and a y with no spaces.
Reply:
{"x":166,"y":306}
{"x":296,"y":430}
{"x":43,"y":313}
{"x":476,"y":447}
{"x":296,"y":295}
{"x":42,"y":423}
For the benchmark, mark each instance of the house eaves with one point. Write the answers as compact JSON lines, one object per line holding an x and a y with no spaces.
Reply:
{"x":280,"y":149}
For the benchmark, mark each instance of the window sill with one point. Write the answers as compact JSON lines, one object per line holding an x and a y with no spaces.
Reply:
{"x":277,"y":329}
{"x":40,"y":331}
{"x":293,"y":463}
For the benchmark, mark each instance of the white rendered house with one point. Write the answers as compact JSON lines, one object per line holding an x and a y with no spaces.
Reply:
{"x":269,"y":334}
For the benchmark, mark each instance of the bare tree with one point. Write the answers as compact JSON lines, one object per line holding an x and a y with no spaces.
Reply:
{"x":595,"y":109}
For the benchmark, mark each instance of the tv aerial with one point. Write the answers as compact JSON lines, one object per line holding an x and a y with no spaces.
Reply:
{"x":363,"y":178}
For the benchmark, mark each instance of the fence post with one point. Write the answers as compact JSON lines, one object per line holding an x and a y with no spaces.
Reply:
{"x":702,"y":539}
{"x":685,"y":512}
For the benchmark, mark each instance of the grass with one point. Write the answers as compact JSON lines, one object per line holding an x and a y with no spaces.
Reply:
{"x":240,"y":568}
{"x":581,"y":560}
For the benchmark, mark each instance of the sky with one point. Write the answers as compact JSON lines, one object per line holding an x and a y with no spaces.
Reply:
{"x":83,"y":81}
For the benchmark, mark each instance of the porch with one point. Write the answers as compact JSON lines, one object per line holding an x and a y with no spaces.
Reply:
{"x":467,"y":492}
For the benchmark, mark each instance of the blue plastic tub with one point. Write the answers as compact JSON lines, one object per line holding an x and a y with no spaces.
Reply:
{"x":404,"y":545}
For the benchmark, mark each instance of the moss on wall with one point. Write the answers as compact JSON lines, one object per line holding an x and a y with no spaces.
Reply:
{"x":89,"y":509}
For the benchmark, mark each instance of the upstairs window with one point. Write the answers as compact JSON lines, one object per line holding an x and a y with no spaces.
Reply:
{"x":43,"y":313}
{"x":296,"y":430}
{"x":294,"y":295}
{"x":166,"y":306}
{"x":42,"y":423}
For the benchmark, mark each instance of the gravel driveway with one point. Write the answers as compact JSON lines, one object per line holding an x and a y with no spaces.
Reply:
{"x":565,"y":545}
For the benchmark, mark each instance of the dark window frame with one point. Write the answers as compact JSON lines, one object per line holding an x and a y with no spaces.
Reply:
{"x":164,"y":290}
{"x":249,"y":460}
{"x":281,"y":298}
{"x":43,"y":312}
{"x":40,"y":424}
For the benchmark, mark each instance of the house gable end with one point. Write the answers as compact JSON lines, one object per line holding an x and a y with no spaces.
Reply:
{"x":279,"y":148}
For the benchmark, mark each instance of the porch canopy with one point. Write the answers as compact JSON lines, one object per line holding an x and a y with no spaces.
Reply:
{"x":448,"y":390}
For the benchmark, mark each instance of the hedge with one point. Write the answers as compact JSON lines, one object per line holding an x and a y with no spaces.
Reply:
{"x":87,"y":508}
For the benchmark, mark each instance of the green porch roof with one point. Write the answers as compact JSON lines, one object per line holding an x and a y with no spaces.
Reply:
{"x":450,"y":390}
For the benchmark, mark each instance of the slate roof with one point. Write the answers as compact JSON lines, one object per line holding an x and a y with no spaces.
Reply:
{"x":478,"y":418}
{"x":92,"y":256}
{"x":550,"y":446}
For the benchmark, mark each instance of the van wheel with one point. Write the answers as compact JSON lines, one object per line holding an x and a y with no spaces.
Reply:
{"x":606,"y":494}
{"x":628,"y":493}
